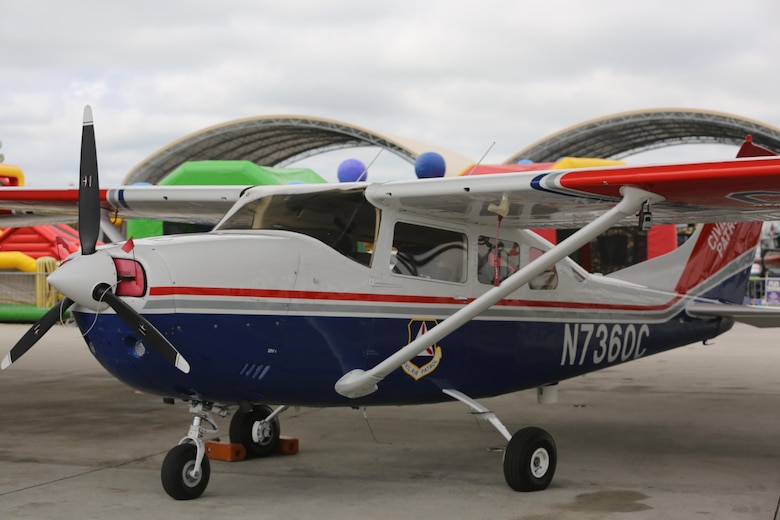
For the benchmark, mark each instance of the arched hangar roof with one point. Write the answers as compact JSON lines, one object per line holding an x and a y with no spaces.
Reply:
{"x":628,"y":133}
{"x":282,"y":140}
{"x":276,"y":141}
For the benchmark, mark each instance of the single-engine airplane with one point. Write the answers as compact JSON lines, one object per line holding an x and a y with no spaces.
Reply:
{"x":397,"y":293}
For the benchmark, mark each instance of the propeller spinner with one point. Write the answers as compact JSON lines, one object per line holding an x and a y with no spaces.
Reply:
{"x":88,"y":279}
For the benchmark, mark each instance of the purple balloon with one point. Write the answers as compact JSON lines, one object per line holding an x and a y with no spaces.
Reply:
{"x":352,"y":170}
{"x":429,"y":165}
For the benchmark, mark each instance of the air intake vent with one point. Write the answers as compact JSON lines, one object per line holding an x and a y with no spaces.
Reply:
{"x":254,"y":371}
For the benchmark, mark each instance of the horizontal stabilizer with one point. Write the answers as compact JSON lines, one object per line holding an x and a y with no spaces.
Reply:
{"x":763,"y":317}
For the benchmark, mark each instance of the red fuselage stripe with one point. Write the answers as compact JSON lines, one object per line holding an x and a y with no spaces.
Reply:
{"x":387,"y":298}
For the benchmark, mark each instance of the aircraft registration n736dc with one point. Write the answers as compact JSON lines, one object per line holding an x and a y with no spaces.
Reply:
{"x":396,"y":293}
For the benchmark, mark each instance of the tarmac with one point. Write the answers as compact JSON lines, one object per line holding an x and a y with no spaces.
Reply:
{"x":691,"y":433}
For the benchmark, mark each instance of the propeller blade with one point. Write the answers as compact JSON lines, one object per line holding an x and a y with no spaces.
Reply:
{"x":142,"y":327}
{"x":89,"y":187}
{"x":36,"y":332}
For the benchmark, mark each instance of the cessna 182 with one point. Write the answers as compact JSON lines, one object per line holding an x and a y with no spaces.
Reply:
{"x":397,"y":293}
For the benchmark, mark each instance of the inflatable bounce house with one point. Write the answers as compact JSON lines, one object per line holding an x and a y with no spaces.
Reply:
{"x":27,"y":256}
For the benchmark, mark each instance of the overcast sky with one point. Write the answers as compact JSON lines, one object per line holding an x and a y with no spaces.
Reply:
{"x":458,"y":74}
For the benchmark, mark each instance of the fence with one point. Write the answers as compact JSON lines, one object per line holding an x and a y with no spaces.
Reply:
{"x":26,"y":296}
{"x":763,"y":291}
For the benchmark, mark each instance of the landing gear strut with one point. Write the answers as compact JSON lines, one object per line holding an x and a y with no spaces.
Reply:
{"x":186,"y":470}
{"x":530,"y":456}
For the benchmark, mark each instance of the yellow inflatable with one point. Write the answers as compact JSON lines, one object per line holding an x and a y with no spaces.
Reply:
{"x":18,"y":260}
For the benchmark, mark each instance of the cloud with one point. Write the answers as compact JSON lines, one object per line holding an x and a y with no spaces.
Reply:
{"x":459,"y":75}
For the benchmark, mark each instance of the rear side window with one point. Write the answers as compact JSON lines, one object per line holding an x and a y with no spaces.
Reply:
{"x":498,"y":259}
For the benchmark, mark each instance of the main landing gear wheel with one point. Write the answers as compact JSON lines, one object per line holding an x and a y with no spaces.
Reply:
{"x":241,"y":431}
{"x":529,"y":460}
{"x":176,"y":474}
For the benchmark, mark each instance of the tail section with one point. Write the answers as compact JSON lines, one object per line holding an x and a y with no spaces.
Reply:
{"x":714,"y":263}
{"x":720,"y":259}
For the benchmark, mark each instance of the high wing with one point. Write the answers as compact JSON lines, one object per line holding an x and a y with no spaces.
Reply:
{"x":193,"y":204}
{"x":741,"y":189}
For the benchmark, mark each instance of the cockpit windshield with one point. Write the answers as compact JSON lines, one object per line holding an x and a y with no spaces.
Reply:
{"x":341,"y":219}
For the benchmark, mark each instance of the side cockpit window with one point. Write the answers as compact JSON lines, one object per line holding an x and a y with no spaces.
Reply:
{"x":427,"y":252}
{"x":342,"y":219}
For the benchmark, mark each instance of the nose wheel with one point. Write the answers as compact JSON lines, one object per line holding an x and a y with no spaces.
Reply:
{"x":186,"y":470}
{"x":179,"y":474}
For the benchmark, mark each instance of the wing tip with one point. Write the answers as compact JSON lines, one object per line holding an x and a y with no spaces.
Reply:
{"x":6,"y":362}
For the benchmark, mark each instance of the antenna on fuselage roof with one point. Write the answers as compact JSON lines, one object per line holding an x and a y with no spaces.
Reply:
{"x":364,"y":174}
{"x":481,"y":159}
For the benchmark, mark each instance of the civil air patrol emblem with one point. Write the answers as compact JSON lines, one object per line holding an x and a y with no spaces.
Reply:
{"x":425,"y":363}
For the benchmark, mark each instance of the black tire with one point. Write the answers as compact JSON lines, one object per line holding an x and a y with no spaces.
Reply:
{"x":175,"y":473}
{"x":241,"y":432}
{"x":530,"y":459}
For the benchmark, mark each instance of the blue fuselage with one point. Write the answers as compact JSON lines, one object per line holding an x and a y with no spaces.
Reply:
{"x":297,"y":359}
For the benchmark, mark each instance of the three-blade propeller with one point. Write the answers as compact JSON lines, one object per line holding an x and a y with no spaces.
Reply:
{"x":89,"y":187}
{"x":36,"y":332}
{"x":101,"y":291}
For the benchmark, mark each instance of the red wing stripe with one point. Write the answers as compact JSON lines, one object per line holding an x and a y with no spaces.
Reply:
{"x":695,"y":184}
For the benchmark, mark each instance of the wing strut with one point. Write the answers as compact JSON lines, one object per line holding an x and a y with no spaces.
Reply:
{"x":357,"y":383}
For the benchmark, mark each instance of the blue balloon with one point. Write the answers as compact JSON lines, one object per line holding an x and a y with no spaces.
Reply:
{"x":352,"y":170}
{"x":429,"y":165}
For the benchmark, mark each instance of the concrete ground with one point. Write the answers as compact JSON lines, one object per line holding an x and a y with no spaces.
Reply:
{"x":692,"y":433}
